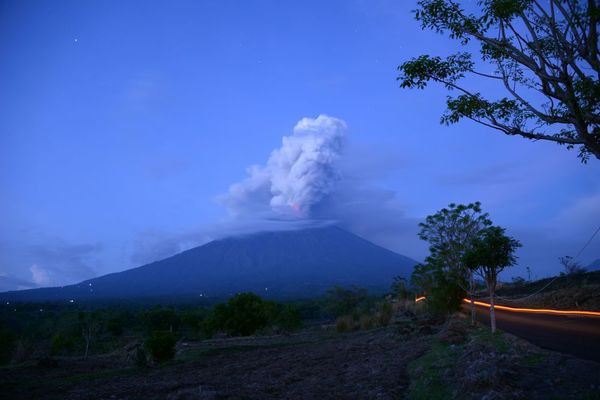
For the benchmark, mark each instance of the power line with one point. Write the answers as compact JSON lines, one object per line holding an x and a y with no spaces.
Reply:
{"x":555,"y":278}
{"x":587,"y":243}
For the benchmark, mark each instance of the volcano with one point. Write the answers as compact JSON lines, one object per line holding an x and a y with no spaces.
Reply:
{"x":281,"y":264}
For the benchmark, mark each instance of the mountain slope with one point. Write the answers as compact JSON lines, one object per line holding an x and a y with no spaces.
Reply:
{"x":281,"y":264}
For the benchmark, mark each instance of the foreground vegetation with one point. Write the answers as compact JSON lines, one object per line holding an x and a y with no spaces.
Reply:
{"x":416,"y":356}
{"x":469,"y":362}
{"x":41,"y":331}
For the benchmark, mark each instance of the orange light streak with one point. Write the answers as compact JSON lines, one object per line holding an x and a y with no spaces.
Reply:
{"x":537,"y":310}
{"x":530,"y":310}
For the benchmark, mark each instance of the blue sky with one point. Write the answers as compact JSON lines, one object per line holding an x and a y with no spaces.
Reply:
{"x":124,"y":122}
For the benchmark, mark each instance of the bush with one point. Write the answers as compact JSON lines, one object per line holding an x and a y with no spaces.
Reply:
{"x":7,"y":345}
{"x":192,"y":320}
{"x":384,"y":316}
{"x":141,"y":358}
{"x":115,"y":326}
{"x":161,"y":319}
{"x":161,"y":346}
{"x":242,"y":315}
{"x":344,"y":323}
{"x":342,"y":301}
{"x":247,"y":313}
{"x":366,"y":322}
{"x":61,"y":342}
{"x":444,"y":291}
{"x":289,"y":318}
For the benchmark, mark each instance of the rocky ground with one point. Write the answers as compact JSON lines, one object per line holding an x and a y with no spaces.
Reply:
{"x":467,"y":362}
{"x":414,"y":358}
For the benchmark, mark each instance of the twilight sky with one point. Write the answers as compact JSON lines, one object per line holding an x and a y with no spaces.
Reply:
{"x":132,"y":130}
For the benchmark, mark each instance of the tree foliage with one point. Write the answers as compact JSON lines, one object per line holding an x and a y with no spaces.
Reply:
{"x":450,"y":232}
{"x":400,"y":288}
{"x":161,"y":346}
{"x":161,"y":319}
{"x":490,"y":254}
{"x":570,"y":266}
{"x":544,"y":55}
{"x":444,"y":278}
{"x":242,"y":315}
{"x":342,"y":301}
{"x":445,"y":292}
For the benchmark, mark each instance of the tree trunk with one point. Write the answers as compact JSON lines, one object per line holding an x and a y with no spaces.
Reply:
{"x":471,"y":290}
{"x":492,"y":311}
{"x":87,"y":347}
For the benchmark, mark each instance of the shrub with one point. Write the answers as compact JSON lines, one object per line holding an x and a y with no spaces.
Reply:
{"x":115,"y":326}
{"x":161,"y":346}
{"x":366,"y":322}
{"x":61,"y":342}
{"x":341,"y":301}
{"x":384,"y":316}
{"x":289,"y":318}
{"x":344,"y":323}
{"x":7,"y":345}
{"x":242,"y":315}
{"x":141,"y":358}
{"x":161,"y":319}
{"x":192,"y":320}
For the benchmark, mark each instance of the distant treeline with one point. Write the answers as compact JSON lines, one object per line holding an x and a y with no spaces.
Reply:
{"x":33,"y":331}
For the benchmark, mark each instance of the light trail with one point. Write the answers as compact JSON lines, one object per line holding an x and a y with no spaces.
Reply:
{"x":529,"y":310}
{"x":537,"y":310}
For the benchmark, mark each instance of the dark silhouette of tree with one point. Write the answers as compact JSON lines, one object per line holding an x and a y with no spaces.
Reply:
{"x":570,"y":267}
{"x":400,"y":288}
{"x":342,"y":301}
{"x":450,"y":232}
{"x":90,"y":327}
{"x":444,"y":291}
{"x":490,"y":254}
{"x":544,"y":54}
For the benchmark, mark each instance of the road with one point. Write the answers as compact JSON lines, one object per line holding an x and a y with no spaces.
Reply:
{"x":575,"y":335}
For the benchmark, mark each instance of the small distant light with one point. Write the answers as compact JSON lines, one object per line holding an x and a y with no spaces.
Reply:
{"x":90,"y":284}
{"x":8,"y":302}
{"x":266,"y":289}
{"x":201,"y":294}
{"x":41,"y":310}
{"x":71,"y":301}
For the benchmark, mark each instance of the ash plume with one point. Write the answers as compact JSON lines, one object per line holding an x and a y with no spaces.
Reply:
{"x":297,"y":175}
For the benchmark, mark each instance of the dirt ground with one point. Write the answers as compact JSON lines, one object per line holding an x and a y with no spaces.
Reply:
{"x":314,"y":364}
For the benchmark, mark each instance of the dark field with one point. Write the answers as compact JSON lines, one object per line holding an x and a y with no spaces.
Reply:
{"x":413,"y":358}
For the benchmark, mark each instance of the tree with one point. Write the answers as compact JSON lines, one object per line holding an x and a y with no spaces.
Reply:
{"x":489,"y":255}
{"x":570,"y":266}
{"x":90,"y":327}
{"x":161,"y":319}
{"x":288,"y":318}
{"x":400,"y":288}
{"x":161,"y":346}
{"x":450,"y":232}
{"x":445,"y":292}
{"x":544,"y":55}
{"x":342,"y":301}
{"x":242,"y":315}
